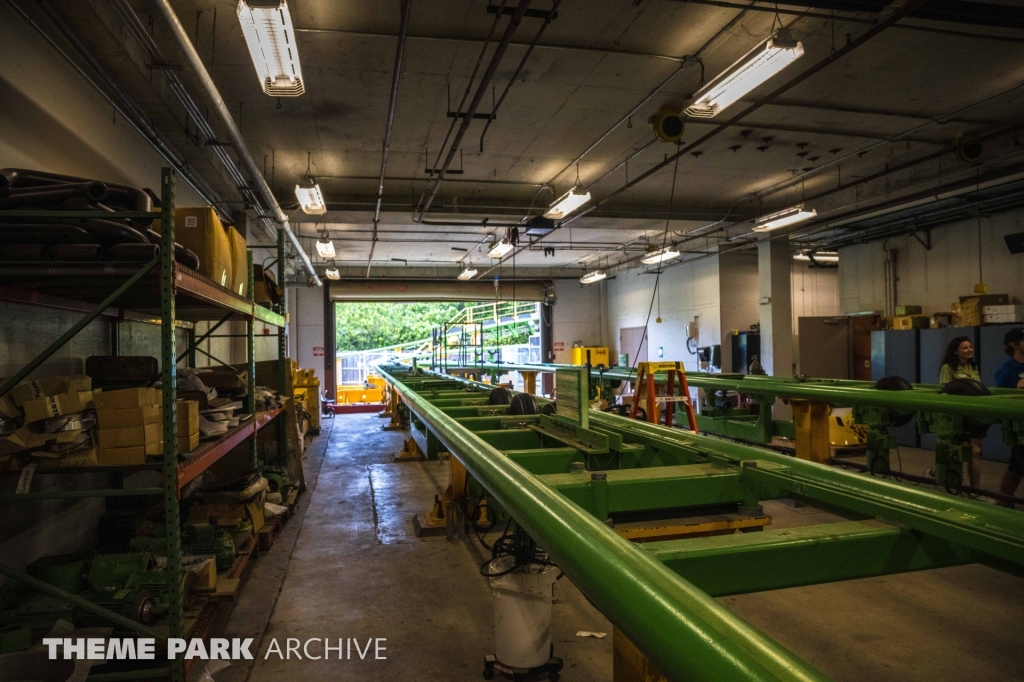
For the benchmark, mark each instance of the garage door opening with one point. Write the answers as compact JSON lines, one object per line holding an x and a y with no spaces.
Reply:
{"x":436,"y":334}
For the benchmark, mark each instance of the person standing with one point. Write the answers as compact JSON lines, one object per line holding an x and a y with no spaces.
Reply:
{"x":1011,"y":375}
{"x":958,"y":363}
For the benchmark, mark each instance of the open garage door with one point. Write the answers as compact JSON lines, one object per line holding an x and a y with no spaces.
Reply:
{"x":436,"y":290}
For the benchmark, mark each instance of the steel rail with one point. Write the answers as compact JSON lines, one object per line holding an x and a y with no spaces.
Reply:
{"x":998,"y":406}
{"x":686,"y":632}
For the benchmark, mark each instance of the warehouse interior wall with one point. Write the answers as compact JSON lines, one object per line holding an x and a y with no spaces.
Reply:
{"x":689,"y":292}
{"x":576,"y":317}
{"x":737,"y":289}
{"x":937,"y":277}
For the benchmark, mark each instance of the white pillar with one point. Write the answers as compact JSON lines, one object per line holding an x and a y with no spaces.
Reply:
{"x":774,"y":270}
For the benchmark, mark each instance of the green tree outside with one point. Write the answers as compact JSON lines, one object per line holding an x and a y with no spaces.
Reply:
{"x":364,"y":326}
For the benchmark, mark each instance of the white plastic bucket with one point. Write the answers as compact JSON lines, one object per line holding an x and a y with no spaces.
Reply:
{"x":522,"y":613}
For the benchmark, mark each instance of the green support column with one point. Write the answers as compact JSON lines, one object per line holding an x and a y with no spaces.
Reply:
{"x":250,"y":365}
{"x":168,"y":376}
{"x":282,"y":350}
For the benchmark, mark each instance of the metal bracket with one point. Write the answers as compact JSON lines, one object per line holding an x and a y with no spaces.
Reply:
{"x":927,"y":241}
{"x":587,"y":441}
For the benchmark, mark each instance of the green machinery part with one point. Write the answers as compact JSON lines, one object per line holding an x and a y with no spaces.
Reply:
{"x":563,"y":483}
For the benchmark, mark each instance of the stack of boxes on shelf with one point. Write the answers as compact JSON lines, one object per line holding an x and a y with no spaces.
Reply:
{"x":131,"y":428}
{"x":969,"y":311}
{"x":221,"y":248}
{"x":50,"y":420}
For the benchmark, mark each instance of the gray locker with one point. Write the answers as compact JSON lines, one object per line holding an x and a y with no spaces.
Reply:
{"x":896,"y":353}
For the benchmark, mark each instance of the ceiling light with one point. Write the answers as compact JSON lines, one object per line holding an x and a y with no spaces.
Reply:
{"x":468,"y":273}
{"x":595,"y":276}
{"x":332,"y":273}
{"x":661,"y":255}
{"x":311,"y":199}
{"x":568,"y":203}
{"x":789,"y":216}
{"x":499,"y":249}
{"x":268,"y":31}
{"x":749,"y":71}
{"x":820,"y":257}
{"x":325,"y":248}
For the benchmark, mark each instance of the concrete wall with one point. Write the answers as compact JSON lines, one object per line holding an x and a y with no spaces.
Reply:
{"x":935,"y":278}
{"x":688,"y":291}
{"x":578,"y":317}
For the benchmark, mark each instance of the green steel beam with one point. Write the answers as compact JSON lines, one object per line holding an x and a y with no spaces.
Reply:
{"x":545,"y":460}
{"x":512,"y":439}
{"x":792,"y":557}
{"x":670,"y":487}
{"x":250,"y":358}
{"x":168,"y":386}
{"x":686,"y":632}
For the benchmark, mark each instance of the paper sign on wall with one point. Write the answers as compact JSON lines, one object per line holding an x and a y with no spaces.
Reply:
{"x":559,"y":345}
{"x":318,"y":351}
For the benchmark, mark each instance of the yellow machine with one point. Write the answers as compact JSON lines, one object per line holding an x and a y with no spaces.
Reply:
{"x":372,"y":392}
{"x":599,"y":355}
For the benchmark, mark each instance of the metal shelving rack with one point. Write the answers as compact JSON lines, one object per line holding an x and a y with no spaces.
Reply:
{"x":171,"y":295}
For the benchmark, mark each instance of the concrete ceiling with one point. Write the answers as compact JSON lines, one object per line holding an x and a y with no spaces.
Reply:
{"x":904,"y":96}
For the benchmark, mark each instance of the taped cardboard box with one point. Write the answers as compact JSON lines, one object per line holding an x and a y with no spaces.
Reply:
{"x":111,"y":457}
{"x":30,"y":436}
{"x":48,"y":386}
{"x":201,"y":231}
{"x":126,"y":398}
{"x":224,"y":377}
{"x":39,"y":409}
{"x":188,"y":443}
{"x":133,"y":416}
{"x":130,"y":436}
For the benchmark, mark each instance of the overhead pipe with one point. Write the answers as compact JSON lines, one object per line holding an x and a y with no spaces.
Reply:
{"x":234,"y":135}
{"x":129,"y":109}
{"x":485,"y":80}
{"x":403,"y":32}
{"x":522,"y":62}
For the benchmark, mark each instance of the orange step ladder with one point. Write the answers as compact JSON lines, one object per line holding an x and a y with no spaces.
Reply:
{"x":645,"y":388}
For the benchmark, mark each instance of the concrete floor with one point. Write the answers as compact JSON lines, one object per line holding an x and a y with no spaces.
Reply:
{"x":348,"y":566}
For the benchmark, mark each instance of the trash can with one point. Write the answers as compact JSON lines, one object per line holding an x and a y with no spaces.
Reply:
{"x":522,"y":612}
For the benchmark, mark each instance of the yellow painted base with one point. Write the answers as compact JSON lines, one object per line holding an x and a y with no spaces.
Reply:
{"x":699,"y":529}
{"x":359,"y":394}
{"x":629,"y":664}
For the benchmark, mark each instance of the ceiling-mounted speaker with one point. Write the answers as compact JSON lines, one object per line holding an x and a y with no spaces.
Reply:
{"x":1015,"y":242}
{"x":968,"y":149}
{"x":668,"y":125}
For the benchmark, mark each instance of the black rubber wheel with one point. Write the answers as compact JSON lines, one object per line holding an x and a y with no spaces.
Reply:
{"x":488,"y":673}
{"x":895,"y":383}
{"x":972,"y":388}
{"x":523,"y":403}
{"x":641,"y":414}
{"x":499,"y":396}
{"x":550,"y":408}
{"x":965,"y":387}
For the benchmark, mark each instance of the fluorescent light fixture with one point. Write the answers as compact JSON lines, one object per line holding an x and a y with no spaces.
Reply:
{"x":267,"y":27}
{"x":595,"y":276}
{"x":568,"y":203}
{"x":499,"y":249}
{"x":325,"y":248}
{"x":332,"y":273}
{"x":749,"y":71}
{"x":660,"y":256}
{"x":821,"y":257}
{"x":789,"y":216}
{"x":311,"y":199}
{"x":468,"y":273}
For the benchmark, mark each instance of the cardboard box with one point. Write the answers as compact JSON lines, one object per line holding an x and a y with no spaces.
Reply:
{"x":31,"y":436}
{"x":109,"y":457}
{"x":126,"y":398}
{"x":39,"y":409}
{"x":129,"y":436}
{"x":229,"y":513}
{"x":902,"y":310}
{"x":910,"y":322}
{"x":224,"y":377}
{"x":83,"y":457}
{"x":1002,"y":314}
{"x":239,"y":262}
{"x":200,"y":230}
{"x":133,"y":416}
{"x":48,"y":386}
{"x":188,"y":443}
{"x":970,"y":312}
{"x":987,"y":299}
